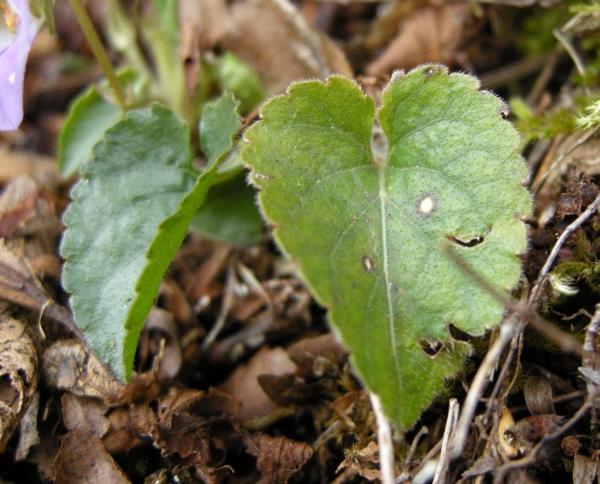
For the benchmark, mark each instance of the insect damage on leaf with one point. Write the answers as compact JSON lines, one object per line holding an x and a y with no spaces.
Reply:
{"x":431,"y":178}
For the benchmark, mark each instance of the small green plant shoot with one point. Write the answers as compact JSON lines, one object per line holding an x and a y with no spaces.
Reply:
{"x":371,"y":205}
{"x":376,"y":206}
{"x":129,"y":215}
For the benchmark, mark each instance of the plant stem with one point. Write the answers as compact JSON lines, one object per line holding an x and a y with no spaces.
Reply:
{"x":98,"y":49}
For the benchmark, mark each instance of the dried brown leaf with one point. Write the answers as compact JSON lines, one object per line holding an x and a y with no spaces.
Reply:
{"x":201,"y":442}
{"x":15,"y":163}
{"x":128,"y":428}
{"x":19,"y":359}
{"x":274,"y":38}
{"x":131,"y":425}
{"x":346,"y":405}
{"x":69,"y":366}
{"x":364,"y":462}
{"x":278,"y":458}
{"x":289,"y":390}
{"x":83,"y":458}
{"x":584,"y":469}
{"x":84,"y":413}
{"x":249,"y":398}
{"x":18,"y":284}
{"x":538,"y":396}
{"x":432,"y":34}
{"x":162,"y":321}
{"x":29,"y":435}
{"x":318,"y":357}
{"x":23,"y":211}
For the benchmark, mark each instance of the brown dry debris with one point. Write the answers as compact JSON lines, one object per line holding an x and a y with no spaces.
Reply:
{"x":19,"y":357}
{"x":278,"y":458}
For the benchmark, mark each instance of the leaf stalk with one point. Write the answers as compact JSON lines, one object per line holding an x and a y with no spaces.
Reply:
{"x":99,"y":52}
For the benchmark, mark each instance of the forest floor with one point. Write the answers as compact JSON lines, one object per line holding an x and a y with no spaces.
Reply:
{"x":271,"y":397}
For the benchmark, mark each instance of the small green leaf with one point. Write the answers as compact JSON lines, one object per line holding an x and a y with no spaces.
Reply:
{"x":236,"y":76}
{"x":129,"y":215}
{"x":219,"y":122}
{"x":229,"y":213}
{"x":89,"y":117}
{"x":377,"y":220}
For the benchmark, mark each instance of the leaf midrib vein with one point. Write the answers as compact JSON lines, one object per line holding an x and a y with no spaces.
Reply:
{"x":383,"y":200}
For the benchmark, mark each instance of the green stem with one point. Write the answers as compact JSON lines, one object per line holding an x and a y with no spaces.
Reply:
{"x":98,"y":49}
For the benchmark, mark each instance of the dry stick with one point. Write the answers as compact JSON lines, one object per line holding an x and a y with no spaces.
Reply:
{"x":542,"y":80}
{"x":384,"y":439}
{"x":566,"y":43}
{"x":516,"y":70}
{"x":413,"y":447}
{"x":531,"y":458}
{"x":225,"y":308}
{"x":586,"y":136}
{"x":509,"y":329}
{"x":430,"y":455}
{"x":588,"y":361}
{"x":442,"y":467}
{"x":559,"y":243}
{"x":505,"y":367}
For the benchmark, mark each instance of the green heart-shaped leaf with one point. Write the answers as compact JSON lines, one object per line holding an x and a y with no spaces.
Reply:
{"x":378,"y":217}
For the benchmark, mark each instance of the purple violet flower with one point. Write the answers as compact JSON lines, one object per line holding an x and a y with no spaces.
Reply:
{"x":12,"y":65}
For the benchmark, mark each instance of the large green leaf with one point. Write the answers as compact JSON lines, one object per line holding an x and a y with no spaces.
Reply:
{"x":378,"y":226}
{"x":129,"y":215}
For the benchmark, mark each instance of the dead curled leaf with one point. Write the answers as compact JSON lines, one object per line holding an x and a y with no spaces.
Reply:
{"x":431,"y":34}
{"x":29,"y":436}
{"x":362,"y":462}
{"x":318,"y":357}
{"x":248,"y":396}
{"x":257,"y":29}
{"x":278,"y":458}
{"x":19,"y":284}
{"x":19,"y":358}
{"x":69,"y":366}
{"x":200,"y":442}
{"x":85,"y":419}
{"x":83,"y":458}
{"x":538,"y":396}
{"x":353,"y":407}
{"x":23,"y":211}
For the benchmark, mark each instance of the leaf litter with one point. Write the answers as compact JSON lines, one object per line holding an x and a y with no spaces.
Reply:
{"x":309,"y":421}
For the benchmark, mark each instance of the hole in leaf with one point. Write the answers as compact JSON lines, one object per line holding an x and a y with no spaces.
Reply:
{"x":431,"y":347}
{"x":367,"y":263}
{"x":458,"y":334}
{"x":466,"y":243}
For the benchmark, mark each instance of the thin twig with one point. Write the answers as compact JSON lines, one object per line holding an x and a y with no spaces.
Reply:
{"x":500,"y":380}
{"x":225,"y":308}
{"x":425,"y":462}
{"x":509,"y":329}
{"x":586,"y":136}
{"x":413,"y":447}
{"x":384,"y":439}
{"x":559,"y":243}
{"x":566,"y":43}
{"x":589,"y":362}
{"x":442,"y":467}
